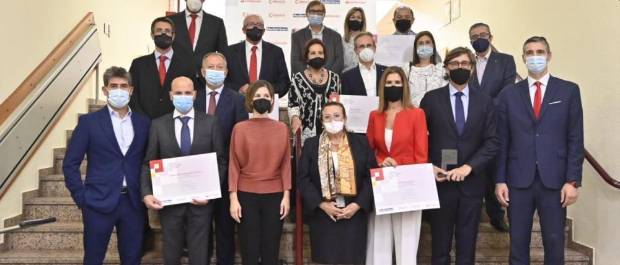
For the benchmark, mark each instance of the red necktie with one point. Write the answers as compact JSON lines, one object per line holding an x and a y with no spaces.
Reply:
{"x":192,"y":30}
{"x":162,"y":69}
{"x":537,"y":100}
{"x":212,"y":103}
{"x":253,"y":65}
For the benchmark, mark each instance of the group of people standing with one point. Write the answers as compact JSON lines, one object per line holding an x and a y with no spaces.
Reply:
{"x":518,"y":144}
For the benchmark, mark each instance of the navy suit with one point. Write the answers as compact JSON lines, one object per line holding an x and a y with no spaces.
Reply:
{"x":536,"y":158}
{"x":272,"y":67}
{"x":499,"y":73}
{"x":99,"y":195}
{"x":459,"y":214}
{"x":353,"y":84}
{"x":230,"y":109}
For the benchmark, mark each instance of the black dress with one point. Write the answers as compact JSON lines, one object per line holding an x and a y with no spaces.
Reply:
{"x":343,"y":241}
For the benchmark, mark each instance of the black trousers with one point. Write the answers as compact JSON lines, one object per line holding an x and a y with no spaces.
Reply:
{"x":260,"y":228}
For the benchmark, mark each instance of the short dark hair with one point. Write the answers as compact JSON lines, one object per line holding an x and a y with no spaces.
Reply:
{"x":249,"y":97}
{"x":309,"y":44}
{"x":115,"y":71}
{"x":162,"y":19}
{"x":540,"y":39}
{"x":362,"y":34}
{"x":334,"y":103}
{"x":456,"y":52}
{"x":416,"y":58}
{"x":479,"y":24}
{"x":315,"y":3}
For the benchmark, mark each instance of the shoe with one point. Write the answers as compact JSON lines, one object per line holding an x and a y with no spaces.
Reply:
{"x":500,"y":225}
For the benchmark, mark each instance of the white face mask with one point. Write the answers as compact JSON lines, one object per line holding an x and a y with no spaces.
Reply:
{"x":194,"y":6}
{"x":333,"y":127}
{"x":367,"y":55}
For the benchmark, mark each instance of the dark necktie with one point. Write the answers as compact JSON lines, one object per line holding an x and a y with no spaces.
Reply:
{"x":459,"y":112}
{"x":212,"y":103}
{"x":186,"y":141}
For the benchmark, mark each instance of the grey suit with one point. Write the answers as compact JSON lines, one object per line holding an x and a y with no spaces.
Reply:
{"x":184,"y":222}
{"x":333,"y":46}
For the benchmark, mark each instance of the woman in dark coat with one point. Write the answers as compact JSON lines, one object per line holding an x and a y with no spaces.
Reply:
{"x":334,"y":181}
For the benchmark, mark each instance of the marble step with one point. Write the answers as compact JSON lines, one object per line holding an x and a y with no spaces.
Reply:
{"x":53,"y":186}
{"x":54,"y":236}
{"x":63,"y":208}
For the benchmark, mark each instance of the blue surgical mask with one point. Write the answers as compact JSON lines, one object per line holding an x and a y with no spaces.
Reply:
{"x":315,"y":20}
{"x":425,"y":51}
{"x":536,"y":64}
{"x":215,"y":77}
{"x":183,"y":103}
{"x":118,"y":98}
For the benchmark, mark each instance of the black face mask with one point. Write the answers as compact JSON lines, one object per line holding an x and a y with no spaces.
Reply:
{"x":403,"y":25}
{"x":261,"y":105}
{"x":460,"y":76}
{"x":393,"y":93}
{"x":355,"y":25}
{"x":163,"y":41}
{"x":480,"y":45}
{"x":316,"y":62}
{"x":254,"y":34}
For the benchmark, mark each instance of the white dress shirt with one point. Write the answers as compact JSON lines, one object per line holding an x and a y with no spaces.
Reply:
{"x":259,"y":56}
{"x":188,"y":20}
{"x":178,"y":124}
{"x":317,"y":35}
{"x":464,"y":99}
{"x":167,"y":62}
{"x":123,"y":131}
{"x":544,"y":81}
{"x":217,"y":96}
{"x":481,"y":64}
{"x":369,"y":76}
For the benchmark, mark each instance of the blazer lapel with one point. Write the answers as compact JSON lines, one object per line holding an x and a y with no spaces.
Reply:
{"x":198,"y":128}
{"x":549,"y":95}
{"x":108,"y":130}
{"x":202,"y":35}
{"x":240,"y":50}
{"x":263,"y":64}
{"x":171,"y":133}
{"x":183,"y":34}
{"x":137,"y":131}
{"x":525,"y":98}
{"x":359,"y":77}
{"x":491,"y":65}
{"x":153,"y":68}
{"x":471,"y":110}
{"x":222,"y":102}
{"x":447,"y":109}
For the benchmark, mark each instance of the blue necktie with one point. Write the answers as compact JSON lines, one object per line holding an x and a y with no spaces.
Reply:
{"x":459,"y":112}
{"x":186,"y":141}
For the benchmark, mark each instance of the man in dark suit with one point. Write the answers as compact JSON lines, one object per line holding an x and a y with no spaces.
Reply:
{"x":198,"y":33}
{"x":363,"y":80}
{"x":315,"y":12}
{"x":228,"y":106}
{"x":114,"y":139}
{"x":540,"y":161}
{"x":462,"y":140}
{"x":255,"y":59}
{"x":181,"y":133}
{"x":152,"y":74}
{"x":494,"y":71}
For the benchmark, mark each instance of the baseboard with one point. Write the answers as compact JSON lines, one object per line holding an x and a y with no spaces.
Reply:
{"x":580,"y":247}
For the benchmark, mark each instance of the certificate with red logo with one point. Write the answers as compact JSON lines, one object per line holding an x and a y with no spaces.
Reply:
{"x":182,"y":179}
{"x":404,"y":188}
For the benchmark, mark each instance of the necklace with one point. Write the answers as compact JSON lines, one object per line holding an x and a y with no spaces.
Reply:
{"x":313,"y":79}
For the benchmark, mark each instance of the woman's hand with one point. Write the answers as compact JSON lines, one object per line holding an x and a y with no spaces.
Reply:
{"x":331,"y":210}
{"x":295,"y":123}
{"x":389,"y":162}
{"x":235,"y":207}
{"x":349,"y":211}
{"x":285,"y":205}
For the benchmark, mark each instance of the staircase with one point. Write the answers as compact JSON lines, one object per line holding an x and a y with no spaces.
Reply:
{"x":61,"y":242}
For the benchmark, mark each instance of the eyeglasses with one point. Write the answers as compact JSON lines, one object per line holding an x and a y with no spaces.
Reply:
{"x":483,"y":35}
{"x":462,"y":64}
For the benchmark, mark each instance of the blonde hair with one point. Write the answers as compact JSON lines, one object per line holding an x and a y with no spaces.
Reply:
{"x":347,"y":36}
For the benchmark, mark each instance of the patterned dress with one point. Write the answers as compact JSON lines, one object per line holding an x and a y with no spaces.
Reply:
{"x":424,"y":79}
{"x":305,"y":100}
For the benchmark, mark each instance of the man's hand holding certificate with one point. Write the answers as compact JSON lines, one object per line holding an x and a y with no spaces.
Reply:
{"x":404,"y":188}
{"x":187,"y":179}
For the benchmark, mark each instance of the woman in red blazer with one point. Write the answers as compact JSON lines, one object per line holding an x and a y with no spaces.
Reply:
{"x":397,"y":133}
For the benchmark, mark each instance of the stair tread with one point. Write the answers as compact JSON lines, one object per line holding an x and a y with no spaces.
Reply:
{"x":50,"y":201}
{"x":55,"y":227}
{"x":53,"y":177}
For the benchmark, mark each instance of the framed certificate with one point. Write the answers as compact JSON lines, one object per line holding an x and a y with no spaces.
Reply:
{"x":404,"y":188}
{"x":181,"y":179}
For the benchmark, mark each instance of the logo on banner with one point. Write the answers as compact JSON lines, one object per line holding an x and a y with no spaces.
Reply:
{"x":277,"y":28}
{"x":249,"y":1}
{"x":301,"y":1}
{"x":277,"y":2}
{"x":331,"y":2}
{"x":277,"y":15}
{"x":355,"y":2}
{"x":297,"y":15}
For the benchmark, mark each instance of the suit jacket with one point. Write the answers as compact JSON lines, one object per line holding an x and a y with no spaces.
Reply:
{"x":272,"y":67}
{"x":211,"y":38}
{"x":553,"y":144}
{"x":353,"y":84}
{"x":149,"y":96}
{"x":478,"y":144}
{"x":94,"y":137}
{"x":409,"y":138}
{"x":499,"y":73}
{"x":230,"y":109}
{"x":333,"y":45}
{"x":309,"y":179}
{"x":163,"y":144}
